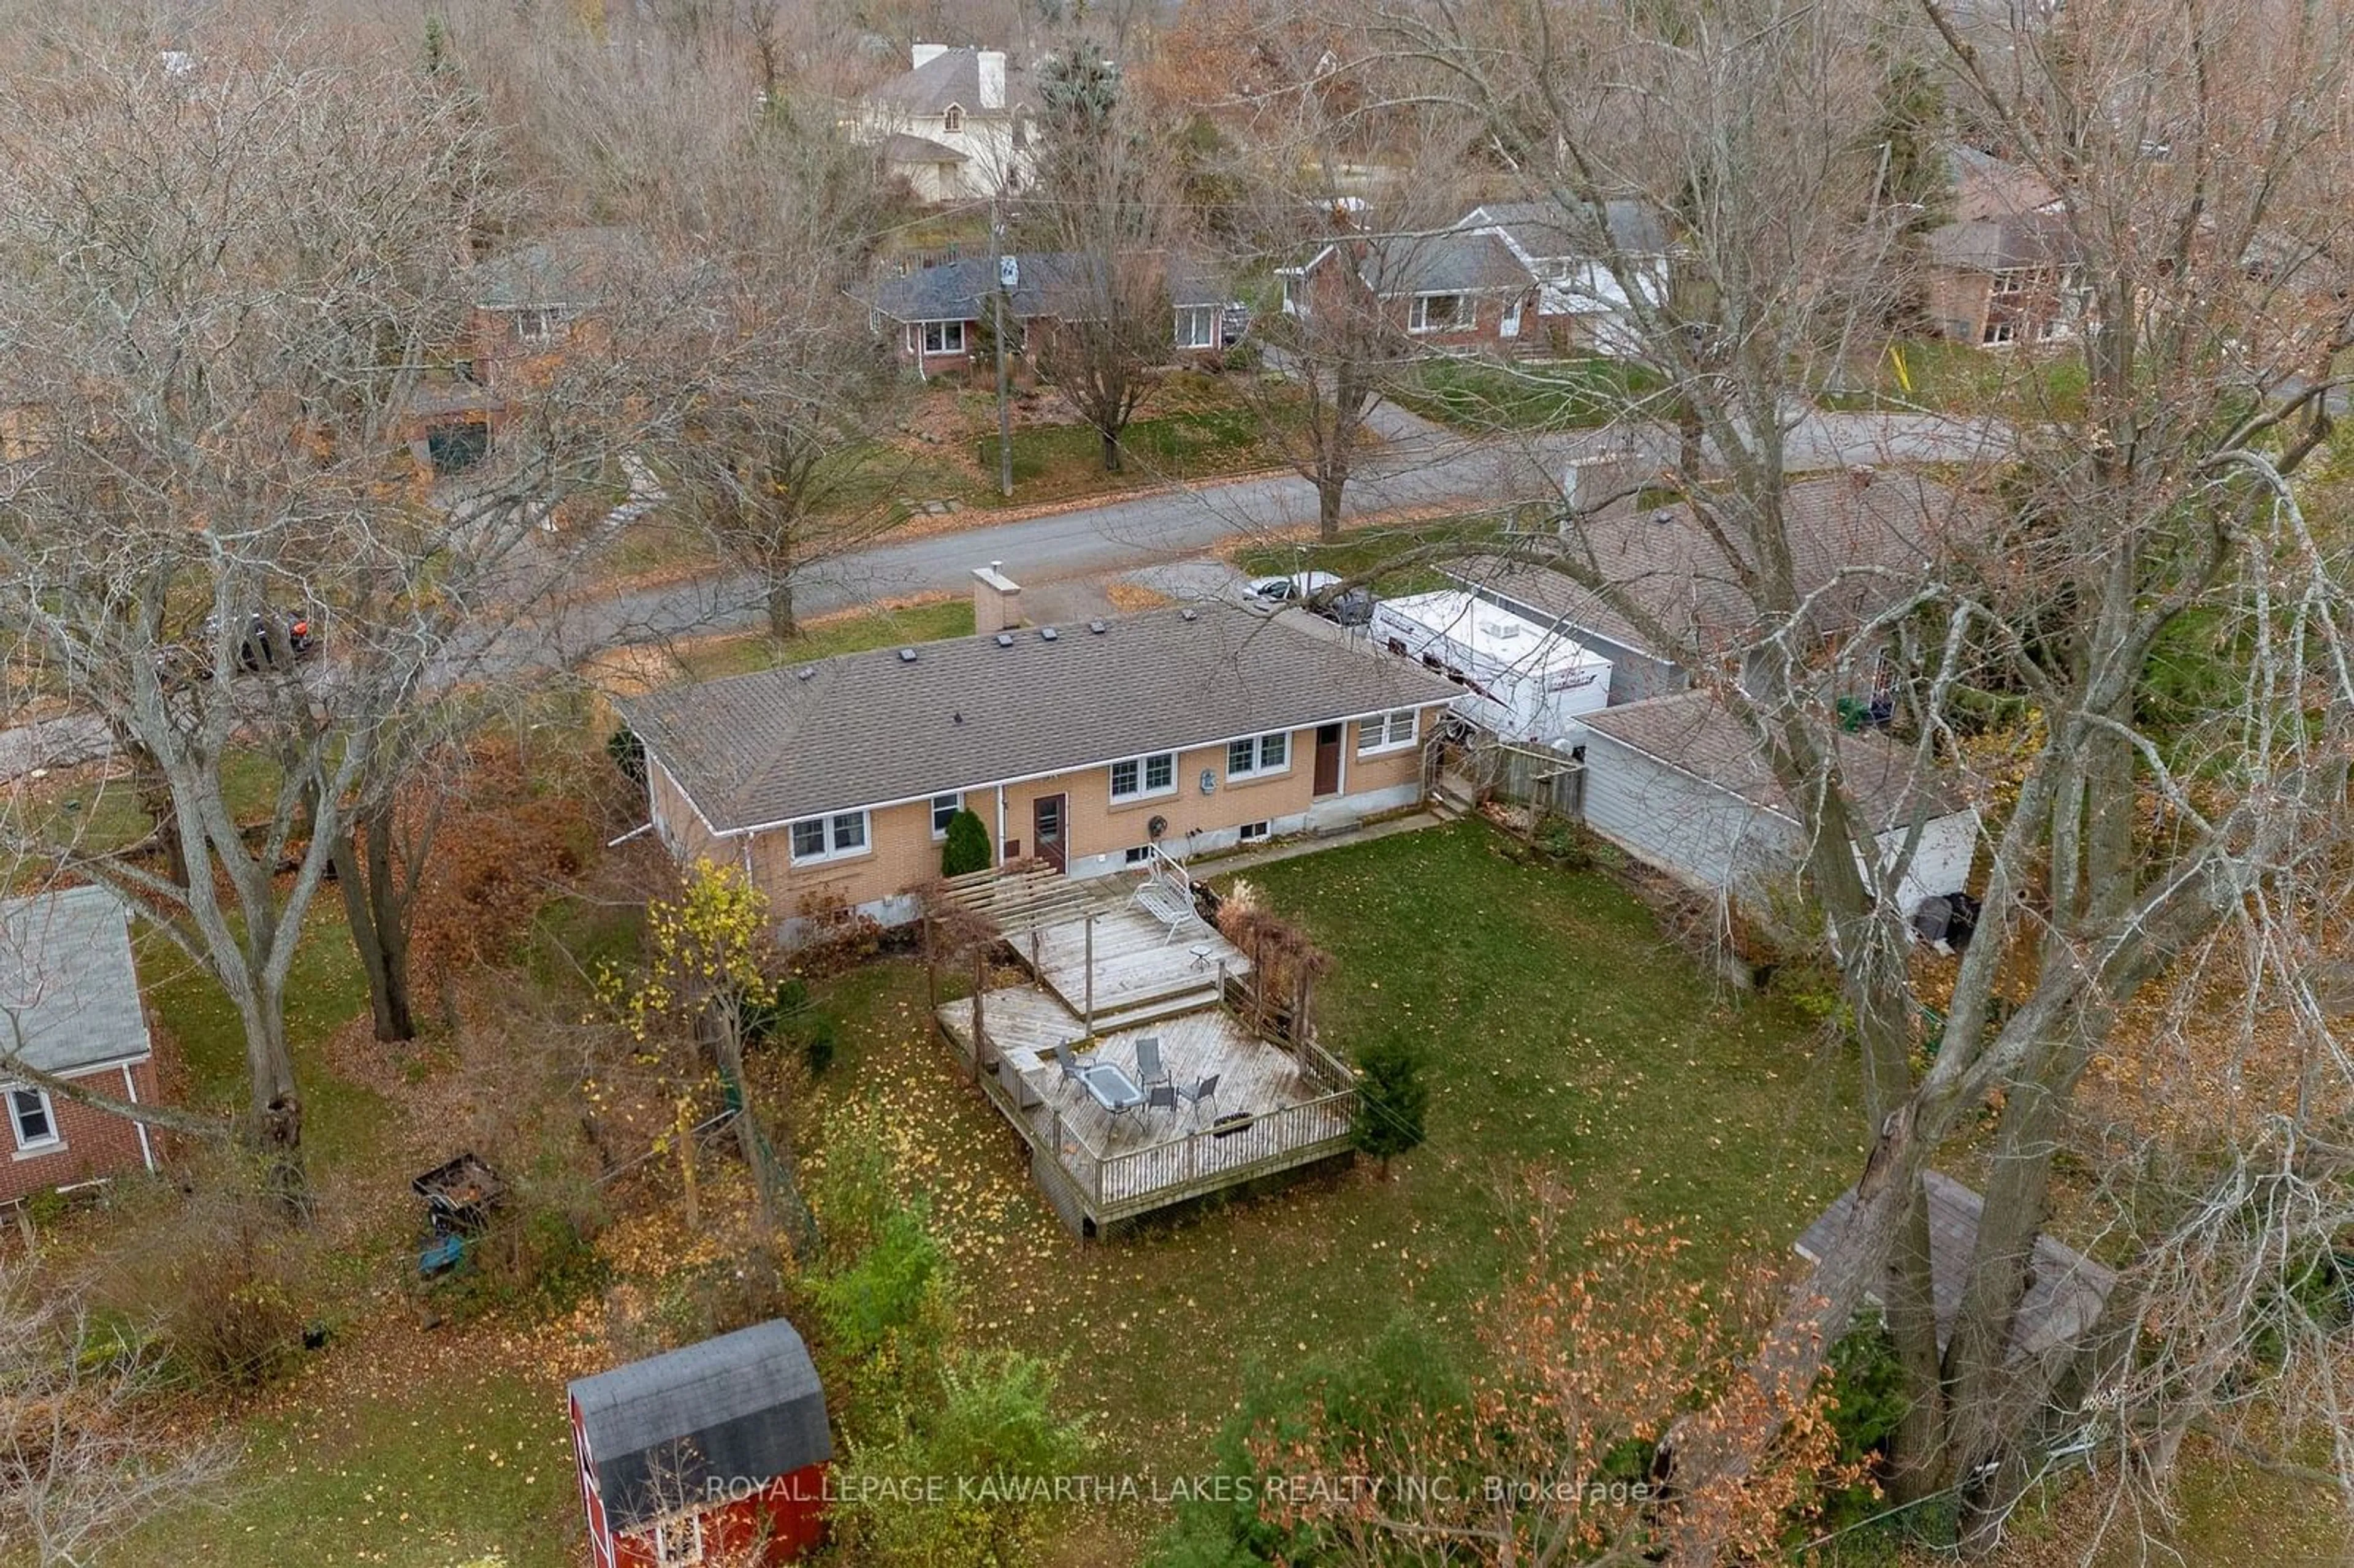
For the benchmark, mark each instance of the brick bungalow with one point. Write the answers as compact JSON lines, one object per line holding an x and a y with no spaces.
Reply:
{"x":1083,"y":747}
{"x":935,"y":313}
{"x":71,"y":1005}
{"x":2003,"y":272}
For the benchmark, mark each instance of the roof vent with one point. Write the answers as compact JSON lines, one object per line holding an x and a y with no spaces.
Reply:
{"x":1189,"y":614}
{"x":906,"y":655}
{"x":1097,"y":627}
{"x":1006,"y":640}
{"x":1047,"y":634}
{"x":1663,"y":515}
{"x":807,"y":671}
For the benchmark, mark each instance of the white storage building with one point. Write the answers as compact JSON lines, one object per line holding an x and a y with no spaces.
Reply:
{"x":1522,"y":681}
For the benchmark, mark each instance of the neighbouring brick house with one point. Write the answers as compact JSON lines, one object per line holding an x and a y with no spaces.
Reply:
{"x":936,"y":314}
{"x":1511,"y":278}
{"x":1086,"y":748}
{"x":2004,"y":270}
{"x":70,"y":1007}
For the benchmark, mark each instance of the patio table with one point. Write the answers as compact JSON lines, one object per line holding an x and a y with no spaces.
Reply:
{"x":1112,"y":1088}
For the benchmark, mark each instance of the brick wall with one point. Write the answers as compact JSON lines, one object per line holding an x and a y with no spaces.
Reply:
{"x":93,"y":1143}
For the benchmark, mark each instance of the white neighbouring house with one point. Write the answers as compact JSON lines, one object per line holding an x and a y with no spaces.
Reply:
{"x":956,"y":125}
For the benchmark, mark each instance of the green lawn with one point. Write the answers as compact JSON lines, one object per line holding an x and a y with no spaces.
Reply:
{"x":1954,"y":377}
{"x":1557,"y":1027}
{"x":1058,"y":462}
{"x":1365,"y":553}
{"x":1481,"y":397}
{"x":926,"y":622}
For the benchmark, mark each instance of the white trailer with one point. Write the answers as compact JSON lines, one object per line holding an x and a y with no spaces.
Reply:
{"x":1522,"y":681}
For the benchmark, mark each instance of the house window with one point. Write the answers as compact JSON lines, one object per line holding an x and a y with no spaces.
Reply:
{"x":1137,"y":855}
{"x":943,"y":808}
{"x":1252,"y":831}
{"x":836,"y":837}
{"x":1440,"y":312}
{"x":2000,"y":329}
{"x":32,"y":1119}
{"x":942,"y":337}
{"x":1139,"y":777}
{"x":537,"y":326}
{"x":1255,"y":755}
{"x":1197,"y":326}
{"x":680,"y":1540}
{"x":952,"y":119}
{"x":1391,"y":731}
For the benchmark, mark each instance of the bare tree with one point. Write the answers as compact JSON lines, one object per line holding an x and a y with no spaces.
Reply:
{"x":86,"y":1453}
{"x":225,"y":300}
{"x":2138,"y":863}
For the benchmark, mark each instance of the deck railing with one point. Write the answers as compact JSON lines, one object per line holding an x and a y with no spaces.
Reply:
{"x":1228,"y":1151}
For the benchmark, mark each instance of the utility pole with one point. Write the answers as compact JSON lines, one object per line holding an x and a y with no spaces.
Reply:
{"x":1009,"y":275}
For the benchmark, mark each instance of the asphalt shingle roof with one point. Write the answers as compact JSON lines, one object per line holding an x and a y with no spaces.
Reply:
{"x":1547,"y":232}
{"x":1449,"y":263}
{"x":746,"y":1406}
{"x":68,"y":991}
{"x":953,"y":78}
{"x":570,"y":268}
{"x":870,"y":728}
{"x":1052,"y":283}
{"x":1693,"y":732}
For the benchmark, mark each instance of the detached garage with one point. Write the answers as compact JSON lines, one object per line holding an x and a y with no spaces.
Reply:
{"x":1679,"y":783}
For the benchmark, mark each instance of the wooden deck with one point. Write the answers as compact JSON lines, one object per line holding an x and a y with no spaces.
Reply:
{"x":1139,"y":961}
{"x":1274,"y":1108}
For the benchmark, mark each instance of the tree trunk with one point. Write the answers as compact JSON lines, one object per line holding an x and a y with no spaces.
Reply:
{"x":782,"y":626}
{"x":1111,"y":452}
{"x":274,"y":1125}
{"x":1327,"y":505}
{"x":1917,"y":1450}
{"x":375,"y":911}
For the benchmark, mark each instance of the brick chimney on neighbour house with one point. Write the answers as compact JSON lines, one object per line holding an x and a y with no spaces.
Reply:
{"x":996,"y":601}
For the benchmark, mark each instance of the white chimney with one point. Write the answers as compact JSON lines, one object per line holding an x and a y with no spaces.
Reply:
{"x":992,"y":78}
{"x":923,"y":55}
{"x":996,"y":601}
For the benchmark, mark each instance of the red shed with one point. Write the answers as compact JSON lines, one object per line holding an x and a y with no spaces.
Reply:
{"x":714,"y":1451}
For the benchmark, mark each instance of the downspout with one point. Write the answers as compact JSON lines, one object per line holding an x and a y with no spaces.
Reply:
{"x":130,"y":1092}
{"x":1001,"y":824}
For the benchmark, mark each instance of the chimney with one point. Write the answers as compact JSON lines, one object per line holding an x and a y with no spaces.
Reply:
{"x":996,"y":600}
{"x":992,"y":78}
{"x":923,"y":55}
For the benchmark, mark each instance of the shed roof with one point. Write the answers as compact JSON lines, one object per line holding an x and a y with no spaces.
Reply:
{"x":745,"y":1406}
{"x":2064,"y":1296}
{"x":1693,"y":732}
{"x":868,"y":729}
{"x":1052,"y":284}
{"x":68,"y":989}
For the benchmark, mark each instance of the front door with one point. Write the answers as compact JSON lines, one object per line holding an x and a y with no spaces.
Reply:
{"x":1328,"y":760}
{"x":1511,"y":325}
{"x":1046,"y":830}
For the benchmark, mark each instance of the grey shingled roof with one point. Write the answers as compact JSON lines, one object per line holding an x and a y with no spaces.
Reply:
{"x":1547,"y":231}
{"x":868,"y":728}
{"x":1449,"y":263}
{"x":901,"y":147}
{"x":2063,"y":1298}
{"x":1856,"y":547}
{"x":68,"y":991}
{"x":570,"y":268}
{"x":953,"y":78}
{"x":746,"y":1406}
{"x":1053,"y":282}
{"x":1692,"y":732}
{"x":1999,"y":217}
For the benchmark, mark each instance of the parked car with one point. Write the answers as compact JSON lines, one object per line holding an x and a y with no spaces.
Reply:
{"x":1292,"y":589}
{"x":1350,"y":607}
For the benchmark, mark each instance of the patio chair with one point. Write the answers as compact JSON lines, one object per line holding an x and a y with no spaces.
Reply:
{"x":1069,"y":1062}
{"x":1207,"y":1090}
{"x":1149,"y":1068}
{"x":1160,"y":1096}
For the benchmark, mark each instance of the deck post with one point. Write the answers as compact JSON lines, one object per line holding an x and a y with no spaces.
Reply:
{"x":1090,"y":1014}
{"x":980,"y":982}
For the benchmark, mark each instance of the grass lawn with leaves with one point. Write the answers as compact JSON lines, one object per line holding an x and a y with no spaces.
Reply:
{"x":1481,"y":397}
{"x":1362,"y":554}
{"x":927,"y":621}
{"x":1556,"y":1026}
{"x":1933,"y":374}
